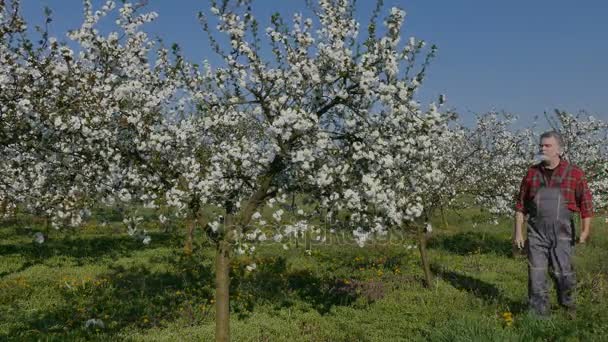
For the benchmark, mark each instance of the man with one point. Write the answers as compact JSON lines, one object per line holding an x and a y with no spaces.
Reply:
{"x":550,"y":194}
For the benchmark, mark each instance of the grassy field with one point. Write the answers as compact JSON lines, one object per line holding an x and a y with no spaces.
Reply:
{"x":337,"y":293}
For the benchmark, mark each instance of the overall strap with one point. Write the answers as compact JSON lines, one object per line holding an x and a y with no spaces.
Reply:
{"x":558,"y":179}
{"x":543,"y":179}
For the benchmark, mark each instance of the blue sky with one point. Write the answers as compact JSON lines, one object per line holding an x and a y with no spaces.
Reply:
{"x":522,"y":57}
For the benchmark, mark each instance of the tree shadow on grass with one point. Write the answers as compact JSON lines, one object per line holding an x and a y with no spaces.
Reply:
{"x":487,"y":292}
{"x":82,"y":250}
{"x":9,"y":228}
{"x":471,"y":242}
{"x":183,"y":290}
{"x":275,"y":283}
{"x":134,"y":296}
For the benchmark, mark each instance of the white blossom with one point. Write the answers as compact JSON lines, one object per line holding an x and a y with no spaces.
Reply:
{"x":39,"y":238}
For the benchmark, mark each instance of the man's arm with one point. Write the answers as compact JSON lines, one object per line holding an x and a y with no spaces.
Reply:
{"x":585,"y":229}
{"x":518,"y":234}
{"x":585,"y":203}
{"x":520,"y":212}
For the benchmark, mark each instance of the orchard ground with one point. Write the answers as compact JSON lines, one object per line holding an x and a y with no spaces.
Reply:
{"x":336,"y":292}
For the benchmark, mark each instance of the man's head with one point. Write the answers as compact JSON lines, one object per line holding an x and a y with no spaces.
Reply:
{"x":551,"y":147}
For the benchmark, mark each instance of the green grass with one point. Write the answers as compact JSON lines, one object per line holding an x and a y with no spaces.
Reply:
{"x":337,"y":293}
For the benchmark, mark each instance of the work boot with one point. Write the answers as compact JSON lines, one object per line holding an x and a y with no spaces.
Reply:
{"x":539,"y":315}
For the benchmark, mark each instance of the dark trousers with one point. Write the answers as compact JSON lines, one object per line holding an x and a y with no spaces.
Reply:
{"x":554,"y":255}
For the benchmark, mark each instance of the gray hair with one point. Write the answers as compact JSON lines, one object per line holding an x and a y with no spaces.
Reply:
{"x":555,"y":135}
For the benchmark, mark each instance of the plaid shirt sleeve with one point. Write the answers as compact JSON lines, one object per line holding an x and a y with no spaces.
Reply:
{"x":583,"y":197}
{"x":523,"y":191}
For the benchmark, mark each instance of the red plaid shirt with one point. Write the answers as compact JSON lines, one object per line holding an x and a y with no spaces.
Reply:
{"x":574,"y":188}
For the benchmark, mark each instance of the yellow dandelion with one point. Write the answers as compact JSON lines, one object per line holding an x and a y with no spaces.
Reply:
{"x":508,"y":318}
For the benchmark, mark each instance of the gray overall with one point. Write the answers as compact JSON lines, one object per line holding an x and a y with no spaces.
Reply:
{"x":550,"y":243}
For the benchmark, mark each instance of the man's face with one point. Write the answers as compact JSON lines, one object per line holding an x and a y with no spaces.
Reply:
{"x":549,"y":147}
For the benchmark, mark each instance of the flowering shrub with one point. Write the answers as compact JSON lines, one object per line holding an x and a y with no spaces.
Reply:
{"x":585,"y":146}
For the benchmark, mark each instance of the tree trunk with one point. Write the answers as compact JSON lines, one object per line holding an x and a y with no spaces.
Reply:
{"x":222,"y":261}
{"x":189,"y":245}
{"x":47,"y":226}
{"x":222,"y":292}
{"x":444,"y":218}
{"x":3,"y":205}
{"x":307,"y":241}
{"x":426,"y":266}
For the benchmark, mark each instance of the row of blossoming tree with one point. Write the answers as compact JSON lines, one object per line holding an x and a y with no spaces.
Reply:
{"x":313,"y":107}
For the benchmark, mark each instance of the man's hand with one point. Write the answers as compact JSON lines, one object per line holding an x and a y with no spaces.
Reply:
{"x":519,"y":240}
{"x":518,"y":236}
{"x":583,"y":238}
{"x":586,"y":229}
